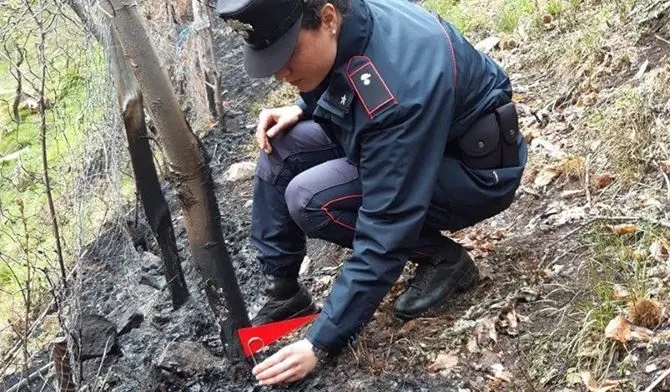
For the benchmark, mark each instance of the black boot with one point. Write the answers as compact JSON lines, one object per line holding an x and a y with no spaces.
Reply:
{"x":286,"y":299}
{"x":435,"y":281}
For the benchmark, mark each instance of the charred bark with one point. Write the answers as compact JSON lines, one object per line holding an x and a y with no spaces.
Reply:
{"x":146,"y":179}
{"x":61,"y":360}
{"x":190,"y":172}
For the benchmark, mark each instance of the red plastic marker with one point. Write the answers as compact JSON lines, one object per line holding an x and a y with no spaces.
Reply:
{"x":256,"y":338}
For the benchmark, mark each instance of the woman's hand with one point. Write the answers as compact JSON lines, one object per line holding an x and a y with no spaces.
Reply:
{"x":291,"y":363}
{"x":273,"y":121}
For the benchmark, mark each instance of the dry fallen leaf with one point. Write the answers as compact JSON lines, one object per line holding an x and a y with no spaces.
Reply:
{"x":618,"y":329}
{"x":500,"y":373}
{"x":626,"y":228}
{"x":547,"y":175}
{"x":567,"y":195}
{"x":444,"y":361}
{"x":604,"y":180}
{"x":660,"y":251}
{"x":485,"y":332}
{"x":488,"y":247}
{"x":593,"y":386}
{"x":508,"y":321}
{"x":619,"y":292}
{"x":665,"y":165}
{"x":623,"y":331}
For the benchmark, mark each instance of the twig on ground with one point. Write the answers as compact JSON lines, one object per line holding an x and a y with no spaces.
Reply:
{"x":662,"y":39}
{"x":667,"y":184}
{"x":658,"y":380}
{"x":388,"y":352}
{"x":44,"y":369}
{"x":587,"y":187}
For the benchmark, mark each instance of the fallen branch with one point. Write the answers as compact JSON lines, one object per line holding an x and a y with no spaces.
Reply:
{"x":658,"y":380}
{"x":42,"y":371}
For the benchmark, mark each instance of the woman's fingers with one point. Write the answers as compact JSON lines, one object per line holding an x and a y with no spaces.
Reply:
{"x":265,"y":120}
{"x":273,"y":360}
{"x":282,"y":123}
{"x":284,"y":376}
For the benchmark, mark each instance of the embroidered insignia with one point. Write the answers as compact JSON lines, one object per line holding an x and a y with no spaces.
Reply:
{"x":240,"y":28}
{"x":340,"y":93}
{"x":370,"y":88}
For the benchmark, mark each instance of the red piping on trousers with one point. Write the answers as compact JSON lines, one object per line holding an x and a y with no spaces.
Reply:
{"x":325,"y":210}
{"x":330,"y":216}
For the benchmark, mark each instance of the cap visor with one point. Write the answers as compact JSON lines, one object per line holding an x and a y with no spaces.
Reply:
{"x":265,"y":62}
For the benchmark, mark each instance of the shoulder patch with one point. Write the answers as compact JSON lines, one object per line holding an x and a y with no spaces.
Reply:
{"x":369,"y":86}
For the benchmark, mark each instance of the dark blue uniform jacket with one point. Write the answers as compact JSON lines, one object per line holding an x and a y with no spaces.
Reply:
{"x":404,"y":84}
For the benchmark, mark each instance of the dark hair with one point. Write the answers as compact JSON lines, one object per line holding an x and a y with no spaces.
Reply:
{"x":312,"y":9}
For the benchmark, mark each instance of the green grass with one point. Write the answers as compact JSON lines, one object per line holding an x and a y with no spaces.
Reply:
{"x":613,"y":259}
{"x":25,"y":227}
{"x":624,"y":126}
{"x":478,"y":18}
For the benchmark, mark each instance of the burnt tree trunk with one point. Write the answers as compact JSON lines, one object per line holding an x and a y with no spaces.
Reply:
{"x":190,"y":172}
{"x":202,"y":20}
{"x":146,"y":179}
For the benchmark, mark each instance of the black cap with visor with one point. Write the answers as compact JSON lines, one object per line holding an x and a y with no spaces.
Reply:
{"x":270,"y":29}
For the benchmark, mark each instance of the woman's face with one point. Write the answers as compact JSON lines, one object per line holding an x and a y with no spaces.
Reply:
{"x":314,"y":54}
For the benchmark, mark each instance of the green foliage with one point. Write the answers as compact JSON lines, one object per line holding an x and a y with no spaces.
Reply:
{"x":460,"y":13}
{"x":555,"y":8}
{"x":512,"y":12}
{"x":26,"y":238}
{"x":624,"y":126}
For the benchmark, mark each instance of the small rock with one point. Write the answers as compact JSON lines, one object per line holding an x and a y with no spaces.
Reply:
{"x":489,"y":359}
{"x":151,"y":281}
{"x":650,"y":368}
{"x":248,"y":204}
{"x":98,"y":336}
{"x":188,"y":359}
{"x":150,"y":262}
{"x":241,"y":171}
{"x":160,"y":320}
{"x":133,"y":321}
{"x":488,"y":44}
{"x":304,"y":267}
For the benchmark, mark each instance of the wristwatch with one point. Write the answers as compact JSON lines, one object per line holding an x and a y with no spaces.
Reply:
{"x":321,"y":355}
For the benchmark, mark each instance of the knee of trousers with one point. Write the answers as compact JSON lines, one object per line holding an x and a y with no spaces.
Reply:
{"x":298,"y":198}
{"x":302,"y":136}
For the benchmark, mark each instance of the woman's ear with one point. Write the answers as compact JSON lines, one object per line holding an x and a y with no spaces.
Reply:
{"x":329,"y":18}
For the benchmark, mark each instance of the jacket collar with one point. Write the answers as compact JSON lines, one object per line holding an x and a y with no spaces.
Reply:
{"x":354,"y":33}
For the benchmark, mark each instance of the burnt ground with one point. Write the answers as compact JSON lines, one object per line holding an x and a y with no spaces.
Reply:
{"x":520,"y":329}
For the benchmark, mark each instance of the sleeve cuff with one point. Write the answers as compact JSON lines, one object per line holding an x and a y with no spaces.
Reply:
{"x":305,"y":110}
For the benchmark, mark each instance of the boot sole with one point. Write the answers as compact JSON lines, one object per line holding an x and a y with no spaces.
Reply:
{"x":310,"y":309}
{"x":439,"y":307}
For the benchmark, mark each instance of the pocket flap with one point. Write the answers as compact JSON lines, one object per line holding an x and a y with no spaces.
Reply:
{"x":482,"y":139}
{"x":509,"y":122}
